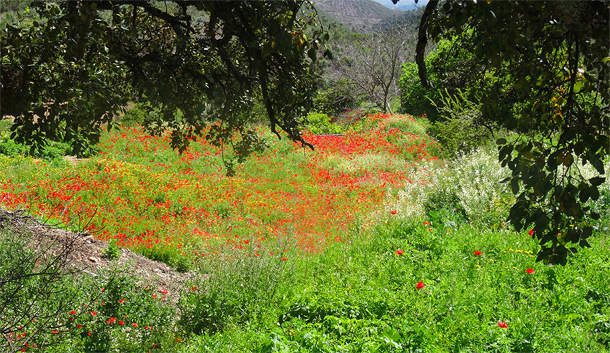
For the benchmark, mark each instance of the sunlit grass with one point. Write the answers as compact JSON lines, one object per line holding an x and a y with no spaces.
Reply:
{"x":361,"y":245}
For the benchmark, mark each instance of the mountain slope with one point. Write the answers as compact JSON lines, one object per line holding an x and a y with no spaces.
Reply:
{"x":361,"y":15}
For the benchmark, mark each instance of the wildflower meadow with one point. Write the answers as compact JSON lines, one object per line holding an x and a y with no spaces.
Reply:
{"x":369,"y":243}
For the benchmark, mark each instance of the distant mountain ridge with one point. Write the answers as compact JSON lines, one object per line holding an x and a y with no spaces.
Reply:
{"x":404,"y":5}
{"x":360,"y":15}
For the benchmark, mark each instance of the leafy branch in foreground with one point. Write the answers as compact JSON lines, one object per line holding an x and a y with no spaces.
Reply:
{"x":192,"y":61}
{"x":554,"y":55}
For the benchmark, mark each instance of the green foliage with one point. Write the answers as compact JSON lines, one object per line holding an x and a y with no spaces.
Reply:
{"x":112,"y":252}
{"x":47,"y":304}
{"x":415,"y":99}
{"x":150,"y":52}
{"x":222,"y":209}
{"x":35,"y":288}
{"x":449,"y":71}
{"x":238,"y":292}
{"x":52,"y":151}
{"x":321,"y":124}
{"x":134,"y":116}
{"x":539,"y":78}
{"x":336,"y":97}
{"x":171,"y":256}
{"x":460,"y":128}
{"x":128,"y":317}
{"x":365,"y":297}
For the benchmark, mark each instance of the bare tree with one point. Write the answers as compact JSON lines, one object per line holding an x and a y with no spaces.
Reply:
{"x":372,"y":65}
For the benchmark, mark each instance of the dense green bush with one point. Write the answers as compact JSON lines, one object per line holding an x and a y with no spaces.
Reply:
{"x":460,"y":128}
{"x":454,"y":102}
{"x":415,"y":99}
{"x":320,"y":124}
{"x":53,"y":151}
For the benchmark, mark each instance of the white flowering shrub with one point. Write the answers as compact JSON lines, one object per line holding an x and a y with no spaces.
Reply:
{"x":469,"y":186}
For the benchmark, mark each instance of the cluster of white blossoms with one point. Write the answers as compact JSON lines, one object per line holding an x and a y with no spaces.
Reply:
{"x":471,"y":181}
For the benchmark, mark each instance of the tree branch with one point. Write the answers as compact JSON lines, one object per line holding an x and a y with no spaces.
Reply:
{"x":422,"y":40}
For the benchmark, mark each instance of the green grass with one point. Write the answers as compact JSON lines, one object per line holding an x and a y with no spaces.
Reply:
{"x":360,"y":294}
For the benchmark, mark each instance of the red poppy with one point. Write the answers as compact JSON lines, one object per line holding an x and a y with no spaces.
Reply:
{"x":73,"y":312}
{"x":531,"y":232}
{"x":135,"y":325}
{"x":502,"y":324}
{"x":93,"y":313}
{"x":284,"y":259}
{"x":393,"y":212}
{"x":54,"y":332}
{"x":477,"y":253}
{"x":529,"y":270}
{"x":163,"y":291}
{"x":121,"y":323}
{"x":194,"y":288}
{"x":112,"y":319}
{"x":399,"y":252}
{"x":420,"y":285}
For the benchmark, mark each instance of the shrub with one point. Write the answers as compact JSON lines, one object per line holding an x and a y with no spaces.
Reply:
{"x":320,"y":124}
{"x":113,"y":251}
{"x":468,"y":187}
{"x":336,"y":98}
{"x":461,"y":128}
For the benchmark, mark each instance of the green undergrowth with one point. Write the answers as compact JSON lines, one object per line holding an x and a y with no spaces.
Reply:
{"x":441,"y":271}
{"x":363,"y":296}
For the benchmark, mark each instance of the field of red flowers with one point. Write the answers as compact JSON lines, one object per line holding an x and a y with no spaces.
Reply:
{"x":142,"y":194}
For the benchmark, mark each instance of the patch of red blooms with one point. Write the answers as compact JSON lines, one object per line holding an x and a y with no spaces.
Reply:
{"x":420,"y":285}
{"x":477,"y":253}
{"x":529,"y":270}
{"x":310,"y":207}
{"x":502,"y":324}
{"x":399,"y":252}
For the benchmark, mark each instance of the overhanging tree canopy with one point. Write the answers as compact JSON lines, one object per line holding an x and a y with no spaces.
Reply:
{"x":67,"y":74}
{"x":556,"y":54}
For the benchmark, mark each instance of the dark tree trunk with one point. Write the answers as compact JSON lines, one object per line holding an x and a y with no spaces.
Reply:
{"x":422,"y":40}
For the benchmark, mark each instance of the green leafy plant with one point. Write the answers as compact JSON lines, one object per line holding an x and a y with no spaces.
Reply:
{"x":113,"y":251}
{"x":460,"y":128}
{"x":321,"y":124}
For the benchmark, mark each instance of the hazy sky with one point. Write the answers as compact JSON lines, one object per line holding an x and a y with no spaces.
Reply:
{"x":402,"y":4}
